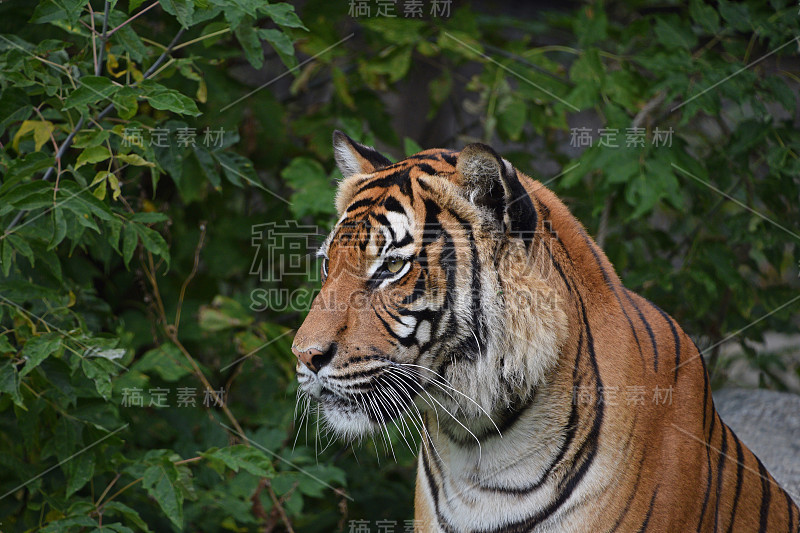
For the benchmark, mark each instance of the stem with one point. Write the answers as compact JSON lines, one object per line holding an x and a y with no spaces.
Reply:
{"x":279,"y":507}
{"x":108,"y":488}
{"x":145,"y":10}
{"x":203,"y":38}
{"x":171,"y":332}
{"x":191,"y":274}
{"x":98,"y":68}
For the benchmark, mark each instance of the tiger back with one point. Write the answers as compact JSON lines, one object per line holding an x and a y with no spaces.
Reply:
{"x":463,"y":302}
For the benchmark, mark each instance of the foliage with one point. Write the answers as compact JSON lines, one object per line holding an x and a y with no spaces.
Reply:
{"x":128,"y":271}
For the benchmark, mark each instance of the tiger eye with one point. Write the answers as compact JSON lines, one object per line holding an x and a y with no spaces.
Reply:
{"x":394,"y":264}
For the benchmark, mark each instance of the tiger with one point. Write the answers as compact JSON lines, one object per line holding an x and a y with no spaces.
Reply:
{"x":462,"y":300}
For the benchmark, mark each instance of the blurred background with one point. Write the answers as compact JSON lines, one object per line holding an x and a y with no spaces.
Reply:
{"x":167,"y":175}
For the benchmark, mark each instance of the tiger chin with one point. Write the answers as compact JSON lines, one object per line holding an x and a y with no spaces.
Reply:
{"x":462,"y":300}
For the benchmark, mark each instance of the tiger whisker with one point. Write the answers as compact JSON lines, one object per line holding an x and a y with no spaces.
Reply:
{"x":391,"y":396}
{"x":451,"y":387}
{"x":379,"y":398}
{"x":407,"y":373}
{"x":477,"y":440}
{"x":426,"y":438}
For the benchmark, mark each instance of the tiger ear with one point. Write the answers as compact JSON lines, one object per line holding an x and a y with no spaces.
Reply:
{"x":354,"y":158}
{"x":491,"y":181}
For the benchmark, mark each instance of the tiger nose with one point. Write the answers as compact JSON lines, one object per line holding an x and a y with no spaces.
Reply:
{"x":315,"y":358}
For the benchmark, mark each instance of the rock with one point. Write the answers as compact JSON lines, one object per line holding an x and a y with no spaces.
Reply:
{"x":768,"y":422}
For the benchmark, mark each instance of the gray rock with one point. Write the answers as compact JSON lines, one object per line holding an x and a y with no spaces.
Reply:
{"x":768,"y":422}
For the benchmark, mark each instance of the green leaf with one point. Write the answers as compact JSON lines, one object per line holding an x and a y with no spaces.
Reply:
{"x":92,"y":155}
{"x":149,"y":218}
{"x":251,"y":44}
{"x":9,"y":382}
{"x":79,"y":470}
{"x":133,"y":5}
{"x":705,"y":15}
{"x":6,"y":257}
{"x":182,"y":9}
{"x":210,"y":28}
{"x":161,"y":483}
{"x":736,"y":14}
{"x":134,"y":159}
{"x":171,"y":100}
{"x":92,"y":89}
{"x":153,"y":241}
{"x":42,"y":129}
{"x":410,"y":146}
{"x":248,"y":458}
{"x":282,"y":44}
{"x":236,"y":168}
{"x":130,"y":238}
{"x":74,"y":523}
{"x":14,"y":106}
{"x":511,"y":119}
{"x":24,"y":167}
{"x":314,"y":194}
{"x":224,"y":313}
{"x":166,"y":360}
{"x":282,"y":14}
{"x":206,"y":161}
{"x":22,"y":247}
{"x":673,"y":34}
{"x":100,"y":371}
{"x":591,"y":24}
{"x":114,"y":508}
{"x":38,"y":349}
{"x":57,"y":10}
{"x":125,"y":100}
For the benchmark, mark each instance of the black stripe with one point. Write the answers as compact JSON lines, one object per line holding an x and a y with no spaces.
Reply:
{"x":370,"y":154}
{"x":392,"y":204}
{"x":387,"y":327}
{"x":519,"y":207}
{"x":675,"y":337}
{"x":395,"y":178}
{"x":765,"y":496}
{"x":450,"y":158}
{"x":739,"y":472}
{"x":708,"y":480}
{"x":426,"y":168}
{"x":364,"y":202}
{"x":607,"y":279}
{"x":381,"y":219}
{"x":631,"y":496}
{"x":643,"y":527}
{"x":647,"y":327}
{"x":790,"y":511}
{"x":720,"y":468}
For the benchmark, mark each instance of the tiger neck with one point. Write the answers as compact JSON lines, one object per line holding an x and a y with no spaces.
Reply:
{"x":533,"y":433}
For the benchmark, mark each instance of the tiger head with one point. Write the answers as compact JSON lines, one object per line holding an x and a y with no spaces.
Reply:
{"x":433,"y":296}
